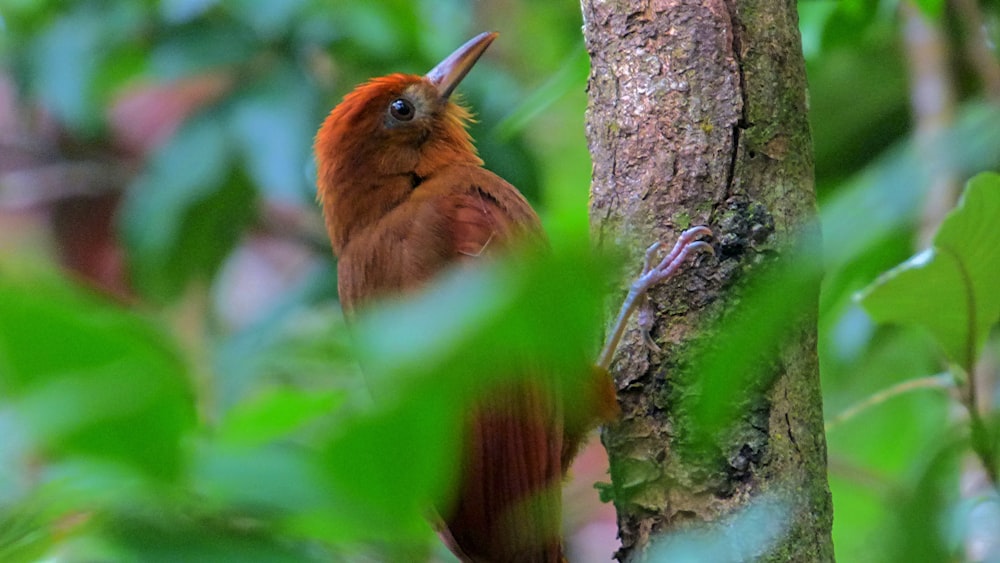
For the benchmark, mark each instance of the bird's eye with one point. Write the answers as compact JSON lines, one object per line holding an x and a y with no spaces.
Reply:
{"x":401,"y":109}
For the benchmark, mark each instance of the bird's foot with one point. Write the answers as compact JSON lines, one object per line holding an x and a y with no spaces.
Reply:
{"x":651,"y":275}
{"x":670,"y":264}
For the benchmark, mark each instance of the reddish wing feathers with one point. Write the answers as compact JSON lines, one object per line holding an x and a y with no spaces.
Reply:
{"x":508,"y":506}
{"x":458,"y":213}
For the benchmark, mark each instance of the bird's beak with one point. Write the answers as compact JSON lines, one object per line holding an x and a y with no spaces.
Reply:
{"x":449,"y":72}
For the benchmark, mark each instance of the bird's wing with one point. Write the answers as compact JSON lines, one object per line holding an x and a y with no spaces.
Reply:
{"x":462,"y":213}
{"x":507,"y":506}
{"x":487,"y":215}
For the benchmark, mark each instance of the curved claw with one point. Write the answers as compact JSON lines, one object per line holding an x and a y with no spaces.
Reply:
{"x":650,"y":252}
{"x":701,"y":246}
{"x":651,"y":344}
{"x":686,"y":244}
{"x":694,"y":232}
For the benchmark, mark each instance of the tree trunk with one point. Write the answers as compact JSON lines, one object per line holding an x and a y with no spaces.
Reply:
{"x":698,"y":116}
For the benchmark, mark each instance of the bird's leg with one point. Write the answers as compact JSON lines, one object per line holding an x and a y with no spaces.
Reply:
{"x":646,"y":315}
{"x":644,"y":318}
{"x":650,"y":276}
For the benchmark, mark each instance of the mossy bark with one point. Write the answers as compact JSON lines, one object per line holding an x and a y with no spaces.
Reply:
{"x":698,"y":116}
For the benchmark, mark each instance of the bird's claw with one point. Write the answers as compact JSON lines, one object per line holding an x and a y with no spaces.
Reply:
{"x":644,"y":319}
{"x":686,"y":244}
{"x":647,"y":338}
{"x":668,"y":266}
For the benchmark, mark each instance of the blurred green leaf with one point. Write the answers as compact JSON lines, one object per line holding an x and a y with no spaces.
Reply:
{"x":736,"y":364}
{"x":170,"y":536}
{"x":917,"y":530}
{"x":850,"y":131}
{"x":453,"y":24}
{"x":388,"y":467}
{"x":571,"y":74}
{"x":184,"y":214}
{"x":204,"y":45}
{"x":273,"y":123}
{"x":68,"y":59}
{"x":294,"y":342}
{"x":65,"y":58}
{"x":373,"y":33}
{"x":87,"y":378}
{"x":180,"y":11}
{"x":950,"y":288}
{"x":535,"y":309}
{"x":268,"y":19}
{"x":745,"y":535}
{"x":813,"y":17}
{"x":276,"y":414}
{"x":933,"y":9}
{"x":23,"y":534}
{"x":272,"y":481}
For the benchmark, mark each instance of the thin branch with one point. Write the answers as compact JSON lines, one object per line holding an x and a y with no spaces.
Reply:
{"x":932,"y":98}
{"x":977,"y":47}
{"x":943,"y":381}
{"x":860,"y":475}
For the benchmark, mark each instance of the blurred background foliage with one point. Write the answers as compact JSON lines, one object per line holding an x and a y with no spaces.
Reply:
{"x":175,"y":379}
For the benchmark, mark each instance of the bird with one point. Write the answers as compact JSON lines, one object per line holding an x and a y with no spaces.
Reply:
{"x":405,"y":197}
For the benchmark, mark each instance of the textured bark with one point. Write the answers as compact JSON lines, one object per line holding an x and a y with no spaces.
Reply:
{"x":698,"y":116}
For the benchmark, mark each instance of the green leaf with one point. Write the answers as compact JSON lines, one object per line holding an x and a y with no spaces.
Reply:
{"x":87,"y":378}
{"x":181,"y":11}
{"x":203,"y":46}
{"x":271,"y":19}
{"x":733,"y":367}
{"x":280,"y":479}
{"x":950,"y":288}
{"x":64,"y":60}
{"x":75,"y":62}
{"x":23,"y":534}
{"x":274,"y":123}
{"x":916,"y":531}
{"x":388,"y":467}
{"x":295,"y":342}
{"x":167,"y":536}
{"x":186,"y":212}
{"x":276,"y":414}
{"x":749,"y":533}
{"x":534,"y":309}
{"x":570,"y":75}
{"x":931,"y":8}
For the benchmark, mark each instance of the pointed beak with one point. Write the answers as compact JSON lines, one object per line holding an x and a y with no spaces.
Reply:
{"x":449,"y":72}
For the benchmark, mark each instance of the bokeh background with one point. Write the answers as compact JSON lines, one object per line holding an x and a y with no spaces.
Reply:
{"x":170,"y":341}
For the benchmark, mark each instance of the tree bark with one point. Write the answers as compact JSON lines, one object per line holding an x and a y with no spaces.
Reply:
{"x":697,"y":115}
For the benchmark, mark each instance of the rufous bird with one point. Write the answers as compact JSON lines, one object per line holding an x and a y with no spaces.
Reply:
{"x":405,"y":196}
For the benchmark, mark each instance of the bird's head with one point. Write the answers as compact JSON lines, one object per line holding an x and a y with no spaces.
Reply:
{"x":390,"y":134}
